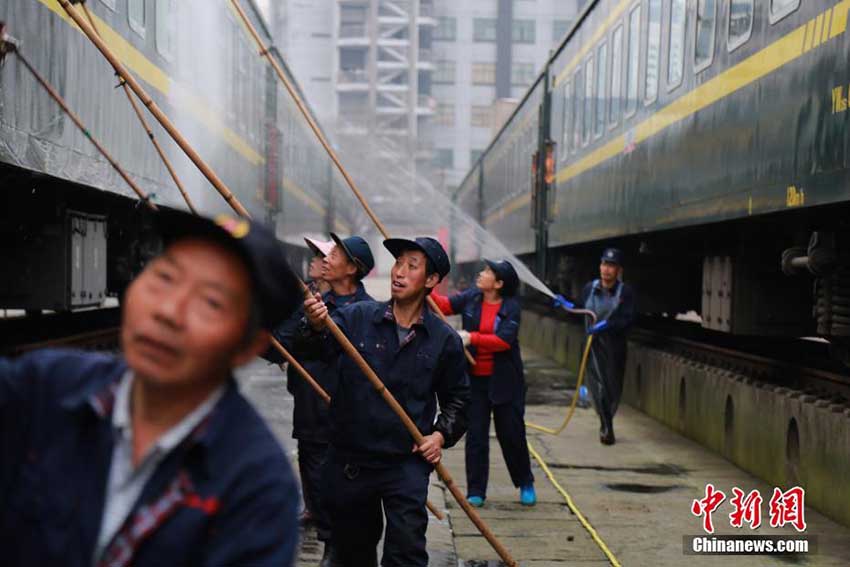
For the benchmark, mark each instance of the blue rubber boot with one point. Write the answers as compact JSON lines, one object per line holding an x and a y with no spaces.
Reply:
{"x":477,"y":501}
{"x":527,"y":496}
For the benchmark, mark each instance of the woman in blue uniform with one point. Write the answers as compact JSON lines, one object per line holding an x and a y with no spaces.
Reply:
{"x":491,"y":318}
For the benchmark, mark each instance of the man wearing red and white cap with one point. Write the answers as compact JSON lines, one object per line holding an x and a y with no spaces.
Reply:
{"x":339,"y":265}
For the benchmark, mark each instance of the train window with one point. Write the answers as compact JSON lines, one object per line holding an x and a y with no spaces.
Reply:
{"x":601,"y":76}
{"x":567,"y":123}
{"x":781,"y":8}
{"x":578,"y":104}
{"x":676,"y":56}
{"x":616,"y":75}
{"x":136,"y":16}
{"x":166,"y":15}
{"x":704,"y":42}
{"x":740,"y":22}
{"x":588,"y":100}
{"x":633,"y":62}
{"x":653,"y":51}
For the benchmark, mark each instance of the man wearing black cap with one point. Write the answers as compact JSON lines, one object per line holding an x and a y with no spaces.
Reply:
{"x":614,"y":304}
{"x":491,"y":317}
{"x":153,"y":457}
{"x":346,"y":262}
{"x":373,"y":463}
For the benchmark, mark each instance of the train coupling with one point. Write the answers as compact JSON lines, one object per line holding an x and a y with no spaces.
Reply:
{"x":8,"y":44}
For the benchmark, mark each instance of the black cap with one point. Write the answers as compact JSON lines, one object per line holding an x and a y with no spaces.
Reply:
{"x":612,"y":255}
{"x":358,"y":252}
{"x":276,"y":287}
{"x":432,"y":249}
{"x":506,"y":273}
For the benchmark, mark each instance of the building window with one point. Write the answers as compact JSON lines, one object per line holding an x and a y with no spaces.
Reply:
{"x":444,"y":158}
{"x":474,"y":155}
{"x":588,"y":100}
{"x":781,"y":8}
{"x":483,"y":73}
{"x":522,"y":31}
{"x":444,"y":73}
{"x":740,"y":22}
{"x":136,"y":16}
{"x":480,"y":116}
{"x":676,"y":58}
{"x":445,"y":115}
{"x":484,"y":29}
{"x":166,"y":15}
{"x":706,"y":26}
{"x":653,"y":52}
{"x":601,"y":76}
{"x":633,"y":59}
{"x":446,"y":29}
{"x":522,"y":74}
{"x":616,"y":75}
{"x":560,"y":29}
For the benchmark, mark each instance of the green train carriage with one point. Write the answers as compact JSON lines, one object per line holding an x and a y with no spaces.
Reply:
{"x":709,"y":140}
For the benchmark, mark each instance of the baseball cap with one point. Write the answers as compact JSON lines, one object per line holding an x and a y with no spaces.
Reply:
{"x":432,"y":249}
{"x":319,"y":247}
{"x":358,"y":251}
{"x":612,"y":255}
{"x":505,"y":271}
{"x":276,"y":288}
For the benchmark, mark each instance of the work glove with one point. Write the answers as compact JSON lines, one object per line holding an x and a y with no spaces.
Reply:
{"x":600,"y":326}
{"x":561,"y":301}
{"x":464,"y":336}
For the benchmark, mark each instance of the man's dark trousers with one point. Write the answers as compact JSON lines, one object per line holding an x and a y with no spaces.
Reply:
{"x":510,"y":431}
{"x":312,"y":457}
{"x":355,"y":496}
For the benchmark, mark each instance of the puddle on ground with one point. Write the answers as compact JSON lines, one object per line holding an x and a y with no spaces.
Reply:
{"x":642,"y":488}
{"x":660,"y":469}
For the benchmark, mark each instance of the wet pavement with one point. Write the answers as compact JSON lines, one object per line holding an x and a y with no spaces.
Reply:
{"x":637,"y":494}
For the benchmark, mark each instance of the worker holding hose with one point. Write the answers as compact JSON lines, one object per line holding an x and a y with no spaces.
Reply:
{"x":613,"y":301}
{"x":374,"y":468}
{"x":491,"y":316}
{"x":342,"y":264}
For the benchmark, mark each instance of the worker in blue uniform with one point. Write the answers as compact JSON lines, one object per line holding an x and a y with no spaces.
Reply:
{"x":153,"y":457}
{"x":490,"y":314}
{"x":374,"y":468}
{"x":345,"y":264}
{"x":613,"y":301}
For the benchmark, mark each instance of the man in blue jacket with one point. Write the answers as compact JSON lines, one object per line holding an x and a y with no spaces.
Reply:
{"x":346,"y":263}
{"x":153,"y":457}
{"x":614,"y":304}
{"x":374,"y":468}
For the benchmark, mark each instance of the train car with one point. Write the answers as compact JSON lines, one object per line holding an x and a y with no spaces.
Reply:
{"x":709,"y":140}
{"x":72,"y":232}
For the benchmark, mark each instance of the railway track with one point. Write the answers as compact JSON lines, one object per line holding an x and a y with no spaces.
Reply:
{"x":802,"y":365}
{"x":91,"y":330}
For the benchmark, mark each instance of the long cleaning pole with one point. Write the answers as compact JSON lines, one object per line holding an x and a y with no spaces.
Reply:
{"x":147,"y":128}
{"x":229,"y":197}
{"x":266,"y":52}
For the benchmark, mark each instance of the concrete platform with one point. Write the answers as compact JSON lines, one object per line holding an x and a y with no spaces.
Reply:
{"x":636,"y":494}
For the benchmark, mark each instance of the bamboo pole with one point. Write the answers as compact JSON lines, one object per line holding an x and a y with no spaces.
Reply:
{"x":54,"y":94}
{"x":229,"y":197}
{"x":147,"y":128}
{"x":154,"y":109}
{"x":266,"y":52}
